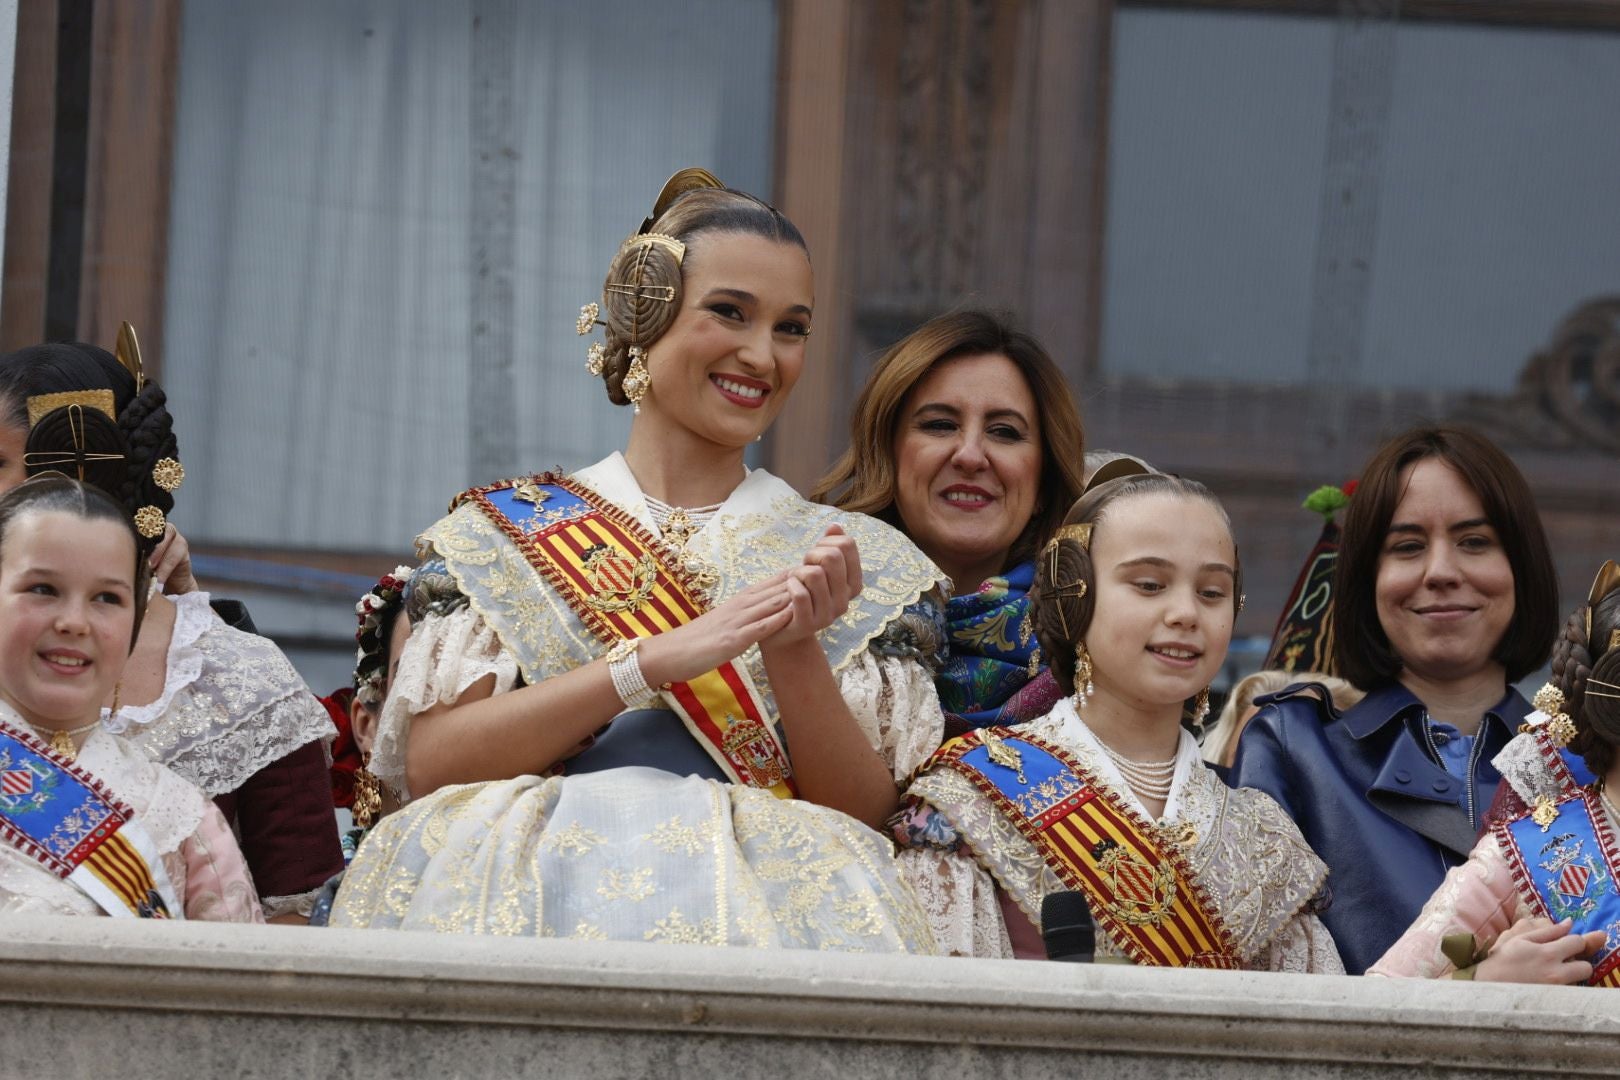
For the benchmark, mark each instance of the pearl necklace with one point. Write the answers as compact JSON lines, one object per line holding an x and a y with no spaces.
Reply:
{"x":1149,"y":779}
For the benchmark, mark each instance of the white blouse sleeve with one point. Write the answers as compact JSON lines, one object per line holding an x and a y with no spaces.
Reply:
{"x":444,"y":655}
{"x":895,"y":703}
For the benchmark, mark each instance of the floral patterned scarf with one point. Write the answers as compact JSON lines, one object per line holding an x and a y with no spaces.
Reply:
{"x":988,"y":679}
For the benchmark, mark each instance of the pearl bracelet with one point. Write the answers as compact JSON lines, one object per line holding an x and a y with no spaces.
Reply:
{"x":625,"y":671}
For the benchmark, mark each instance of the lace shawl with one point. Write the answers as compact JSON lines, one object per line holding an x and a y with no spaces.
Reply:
{"x":515,"y":624}
{"x":231,"y":703}
{"x":1250,"y":858}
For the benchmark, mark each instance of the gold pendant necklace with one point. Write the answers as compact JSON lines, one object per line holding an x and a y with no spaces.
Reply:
{"x":61,"y":740}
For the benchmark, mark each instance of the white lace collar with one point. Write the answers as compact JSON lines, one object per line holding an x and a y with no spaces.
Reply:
{"x":183,"y":664}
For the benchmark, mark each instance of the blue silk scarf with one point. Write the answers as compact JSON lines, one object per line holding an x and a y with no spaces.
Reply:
{"x":987,"y":679}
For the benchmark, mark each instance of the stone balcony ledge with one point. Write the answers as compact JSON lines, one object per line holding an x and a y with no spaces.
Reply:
{"x":98,"y":997}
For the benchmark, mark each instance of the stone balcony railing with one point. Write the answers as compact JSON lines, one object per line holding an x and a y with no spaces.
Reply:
{"x":99,"y":998}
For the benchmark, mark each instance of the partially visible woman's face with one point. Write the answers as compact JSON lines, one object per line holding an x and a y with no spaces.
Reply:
{"x":967,"y":454}
{"x":363,"y":718}
{"x":724,"y":368}
{"x":1444,"y":591}
{"x":1165,"y":567}
{"x":67,"y":613}
{"x":13,"y":440}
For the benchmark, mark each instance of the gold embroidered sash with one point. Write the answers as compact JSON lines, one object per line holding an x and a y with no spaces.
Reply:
{"x":1140,"y":888}
{"x":622,"y":584}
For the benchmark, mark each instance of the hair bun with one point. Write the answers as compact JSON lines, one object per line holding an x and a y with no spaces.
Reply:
{"x":1061,"y":605}
{"x":75,"y":438}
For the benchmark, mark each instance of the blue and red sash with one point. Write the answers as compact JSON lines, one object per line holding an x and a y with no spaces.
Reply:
{"x":623,"y":584}
{"x":1564,"y":865}
{"x":61,"y":817}
{"x":1140,"y":888}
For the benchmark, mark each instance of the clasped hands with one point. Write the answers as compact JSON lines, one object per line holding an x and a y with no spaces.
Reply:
{"x":780,"y":614}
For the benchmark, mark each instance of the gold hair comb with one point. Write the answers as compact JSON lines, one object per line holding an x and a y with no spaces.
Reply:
{"x":1607,"y":580}
{"x":42,"y":405}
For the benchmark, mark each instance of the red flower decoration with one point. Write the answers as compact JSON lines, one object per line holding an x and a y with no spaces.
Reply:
{"x":346,"y":756}
{"x":1349,"y":486}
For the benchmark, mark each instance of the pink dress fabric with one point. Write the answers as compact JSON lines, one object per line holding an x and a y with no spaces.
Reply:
{"x":1477,"y":898}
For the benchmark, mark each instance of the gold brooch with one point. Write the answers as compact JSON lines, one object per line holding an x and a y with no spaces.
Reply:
{"x":168,"y":474}
{"x":149,"y":522}
{"x":1006,"y":756}
{"x":1545,"y":812}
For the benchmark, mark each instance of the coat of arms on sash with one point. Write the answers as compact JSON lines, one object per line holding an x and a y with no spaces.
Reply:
{"x":747,"y":742}
{"x":1575,"y":881}
{"x":620,"y":583}
{"x":1142,"y":895}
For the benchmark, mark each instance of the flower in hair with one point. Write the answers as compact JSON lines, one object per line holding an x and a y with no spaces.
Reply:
{"x":370,"y":657}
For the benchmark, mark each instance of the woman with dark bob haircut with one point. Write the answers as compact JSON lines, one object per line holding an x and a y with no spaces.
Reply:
{"x":1445,"y":596}
{"x":966,"y":438}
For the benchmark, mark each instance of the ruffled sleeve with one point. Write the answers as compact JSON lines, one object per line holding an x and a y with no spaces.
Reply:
{"x":894,"y":701}
{"x":218,"y":887}
{"x":1477,"y":898}
{"x":445,"y":654}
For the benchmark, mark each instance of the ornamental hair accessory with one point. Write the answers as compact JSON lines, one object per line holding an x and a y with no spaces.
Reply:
{"x":42,"y":405}
{"x":79,"y":456}
{"x":1607,"y":580}
{"x":1550,"y":703}
{"x":589,"y":316}
{"x":370,"y":666}
{"x":149,"y":522}
{"x":637,"y":380}
{"x":1117,"y":469}
{"x":128,"y":352}
{"x":1080,"y":534}
{"x":168,"y":474}
{"x":682,"y":182}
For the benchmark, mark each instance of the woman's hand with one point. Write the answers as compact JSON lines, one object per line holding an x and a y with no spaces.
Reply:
{"x":720,"y":634}
{"x":1540,"y":951}
{"x":821,"y":588}
{"x":171,"y":563}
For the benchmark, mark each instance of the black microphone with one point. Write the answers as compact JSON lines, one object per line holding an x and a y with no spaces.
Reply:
{"x":1067,"y":928}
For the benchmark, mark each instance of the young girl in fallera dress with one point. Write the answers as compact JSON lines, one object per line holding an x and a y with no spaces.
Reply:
{"x":1107,"y":794}
{"x":89,"y":825}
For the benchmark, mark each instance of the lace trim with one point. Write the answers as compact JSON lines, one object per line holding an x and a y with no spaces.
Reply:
{"x":183,"y":664}
{"x":444,"y":655}
{"x":245,"y":708}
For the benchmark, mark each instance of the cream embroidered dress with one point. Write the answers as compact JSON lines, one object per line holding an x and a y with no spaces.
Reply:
{"x":1250,"y":859}
{"x":635,"y":852}
{"x":198,"y":852}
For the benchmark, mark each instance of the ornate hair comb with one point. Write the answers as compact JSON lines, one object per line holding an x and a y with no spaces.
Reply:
{"x":676,"y":186}
{"x":1607,"y":580}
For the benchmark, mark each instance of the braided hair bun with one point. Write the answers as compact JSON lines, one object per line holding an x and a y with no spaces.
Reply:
{"x":640,"y":298}
{"x":149,"y":429}
{"x":77,"y":437}
{"x":1062,"y":603}
{"x":1577,"y":665}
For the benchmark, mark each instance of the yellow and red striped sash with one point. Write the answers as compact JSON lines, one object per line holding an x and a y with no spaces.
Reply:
{"x":1141,"y":889}
{"x":61,"y":816}
{"x":623,"y":584}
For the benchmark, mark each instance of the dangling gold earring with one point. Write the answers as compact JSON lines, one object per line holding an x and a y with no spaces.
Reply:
{"x":367,"y":794}
{"x":1201,"y":707}
{"x":637,"y":381}
{"x":1083,"y":688}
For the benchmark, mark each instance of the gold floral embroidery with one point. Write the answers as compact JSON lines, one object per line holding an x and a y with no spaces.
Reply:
{"x":674,"y":929}
{"x":576,"y":839}
{"x":672,"y":837}
{"x":633,"y":885}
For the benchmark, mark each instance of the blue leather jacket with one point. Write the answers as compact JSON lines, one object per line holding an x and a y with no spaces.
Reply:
{"x":1372,"y":801}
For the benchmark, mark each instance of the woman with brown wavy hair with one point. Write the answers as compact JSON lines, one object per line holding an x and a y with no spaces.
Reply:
{"x":966,"y":438}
